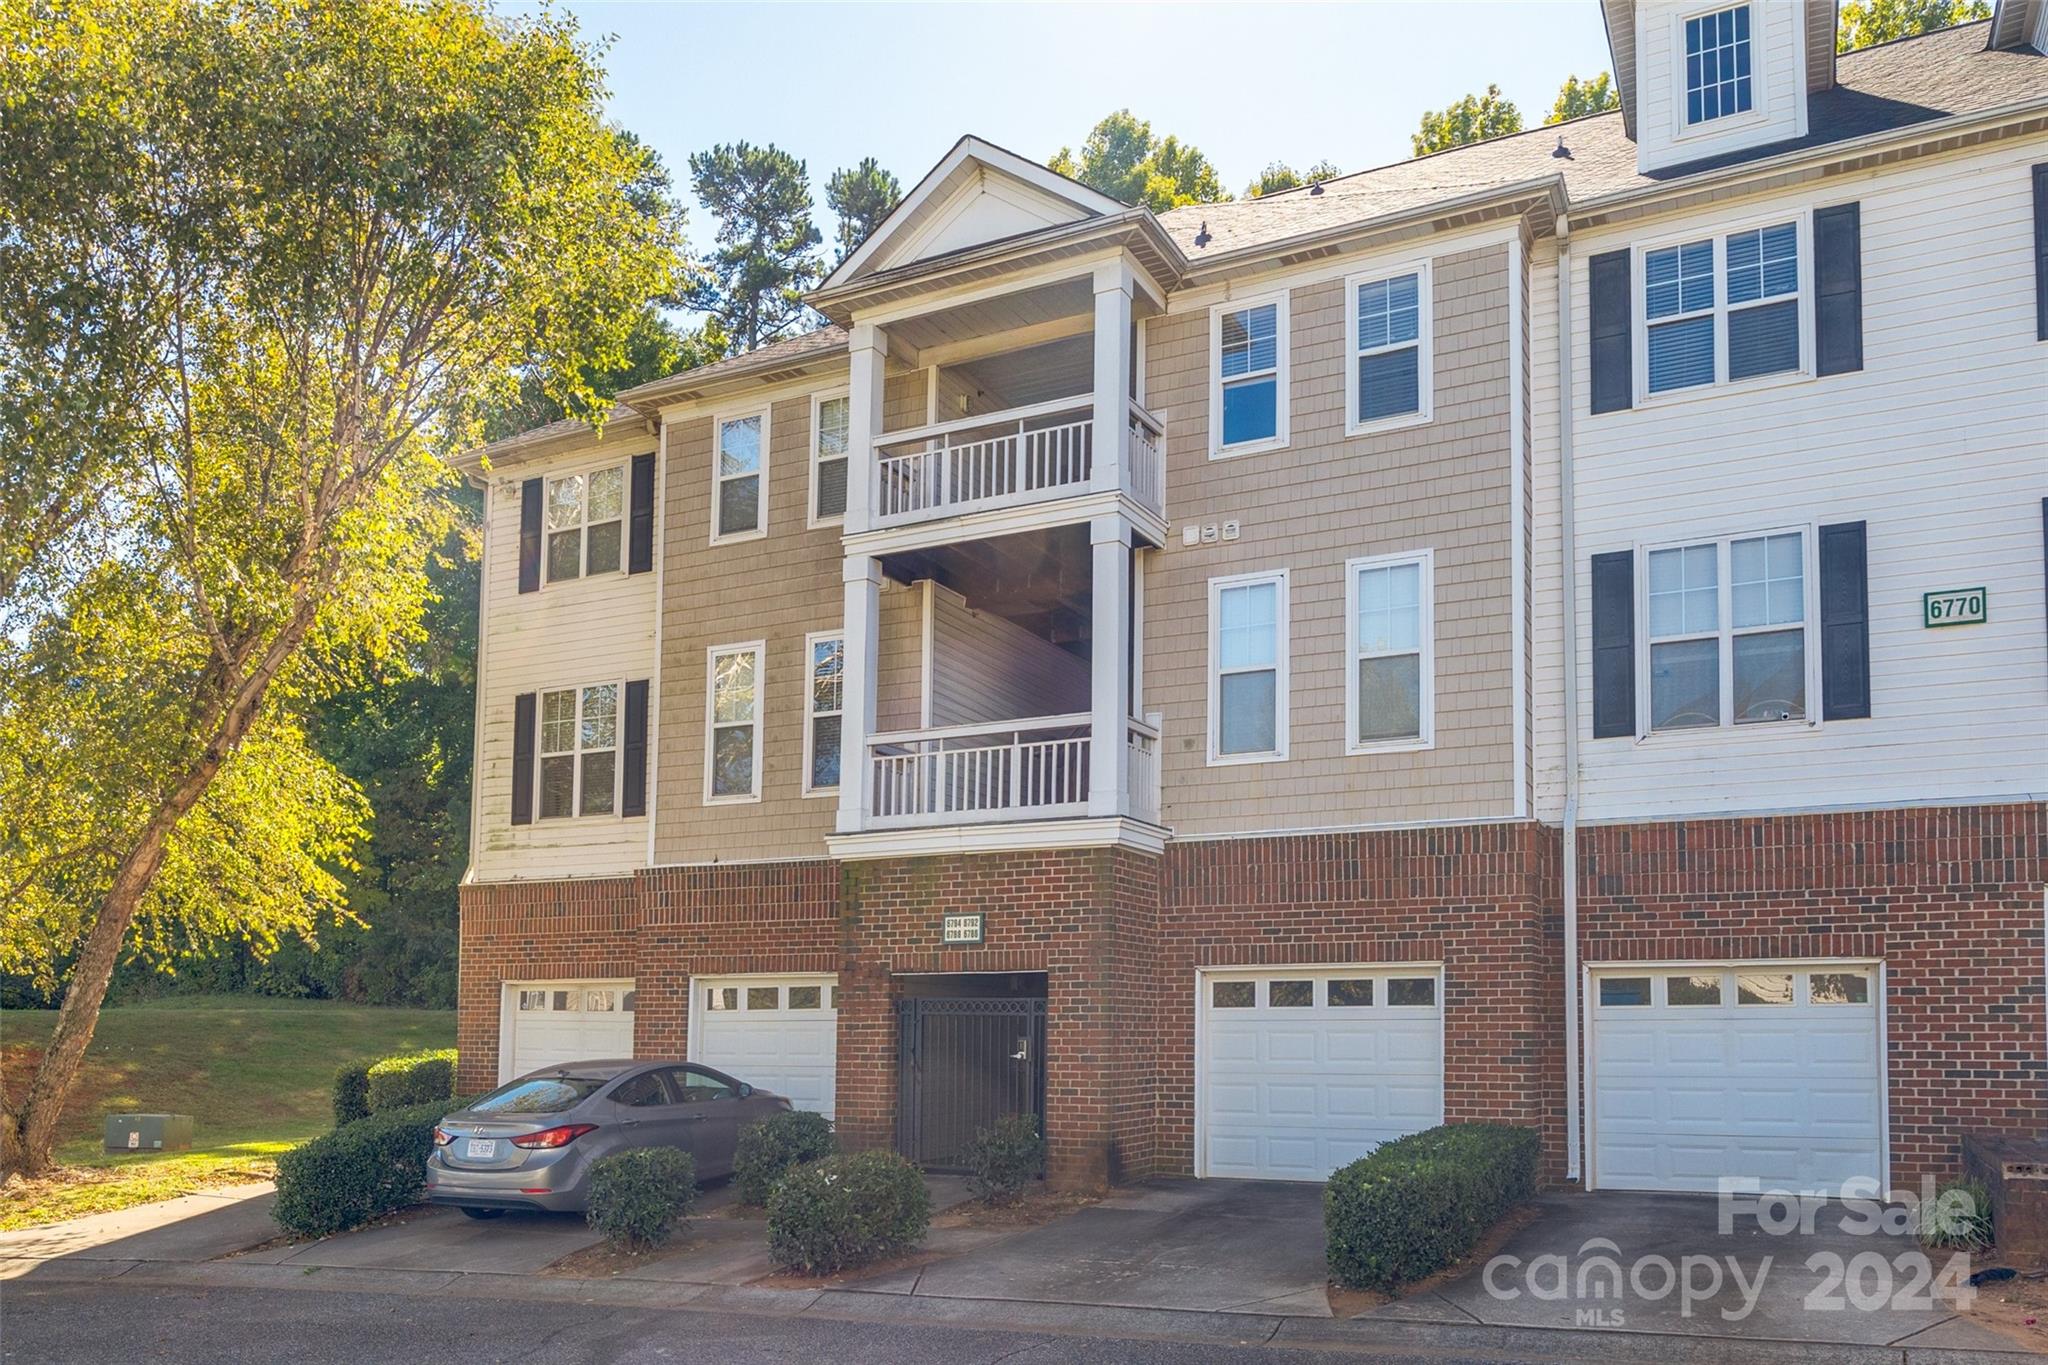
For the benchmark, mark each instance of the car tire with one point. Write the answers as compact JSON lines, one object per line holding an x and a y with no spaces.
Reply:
{"x":483,"y":1213}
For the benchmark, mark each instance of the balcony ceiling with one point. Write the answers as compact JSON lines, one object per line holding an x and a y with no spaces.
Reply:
{"x":1043,"y":308}
{"x":1040,"y":580}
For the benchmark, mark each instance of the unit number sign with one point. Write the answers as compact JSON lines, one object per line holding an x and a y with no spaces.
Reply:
{"x":1955,"y":607}
{"x":961,"y":929}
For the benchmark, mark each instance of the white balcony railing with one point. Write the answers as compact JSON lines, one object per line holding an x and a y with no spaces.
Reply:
{"x":1146,"y":472}
{"x":1141,"y":769}
{"x":1003,"y":459}
{"x":1023,"y":770}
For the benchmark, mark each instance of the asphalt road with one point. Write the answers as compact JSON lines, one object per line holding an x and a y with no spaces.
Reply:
{"x":99,"y":1323}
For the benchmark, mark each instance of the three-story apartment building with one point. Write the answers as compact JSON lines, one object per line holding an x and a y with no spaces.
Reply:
{"x":1551,"y":632}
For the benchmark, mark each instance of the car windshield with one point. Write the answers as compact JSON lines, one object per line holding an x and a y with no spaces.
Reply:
{"x":538,"y":1095}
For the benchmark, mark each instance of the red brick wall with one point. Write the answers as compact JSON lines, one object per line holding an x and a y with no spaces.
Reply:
{"x":1474,"y":898}
{"x":1950,"y":899}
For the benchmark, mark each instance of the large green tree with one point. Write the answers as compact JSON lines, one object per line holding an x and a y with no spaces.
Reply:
{"x":336,"y":232}
{"x":1279,"y":176}
{"x":1864,"y":22}
{"x":1577,"y":98}
{"x":862,"y":197}
{"x":1123,"y":159}
{"x":1471,"y":119}
{"x":766,"y":253}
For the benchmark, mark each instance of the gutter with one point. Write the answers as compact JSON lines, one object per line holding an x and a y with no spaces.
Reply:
{"x":1568,"y":572}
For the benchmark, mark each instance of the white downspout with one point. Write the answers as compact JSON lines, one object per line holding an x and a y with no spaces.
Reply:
{"x":1568,"y":572}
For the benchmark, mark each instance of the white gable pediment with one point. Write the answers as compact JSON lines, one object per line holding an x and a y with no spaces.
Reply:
{"x":977,"y":194}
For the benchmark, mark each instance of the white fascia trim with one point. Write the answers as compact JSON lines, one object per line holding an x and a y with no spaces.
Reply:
{"x":1114,"y":831}
{"x":2027,"y":798}
{"x":1034,"y":516}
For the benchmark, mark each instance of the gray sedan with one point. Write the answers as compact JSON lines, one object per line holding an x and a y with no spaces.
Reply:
{"x":529,"y":1144}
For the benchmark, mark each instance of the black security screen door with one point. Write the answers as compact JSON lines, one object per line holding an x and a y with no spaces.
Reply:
{"x":961,"y":1065}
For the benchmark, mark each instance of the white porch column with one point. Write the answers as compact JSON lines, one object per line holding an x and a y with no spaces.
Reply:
{"x":862,"y":627}
{"x":867,"y":348}
{"x":1113,"y":285}
{"x":1110,"y":652}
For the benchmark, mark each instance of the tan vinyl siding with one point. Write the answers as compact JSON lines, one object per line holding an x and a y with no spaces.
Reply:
{"x":906,"y":400}
{"x":899,"y":654}
{"x":1310,"y":507}
{"x":990,"y":670}
{"x":777,"y":588}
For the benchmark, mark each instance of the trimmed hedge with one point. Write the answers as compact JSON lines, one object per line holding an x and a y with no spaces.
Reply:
{"x":351,"y":1093}
{"x":769,"y":1148}
{"x":415,"y":1078}
{"x":1419,"y":1203}
{"x":356,"y":1173}
{"x":1004,"y":1158}
{"x":636,"y":1196}
{"x":846,"y":1211}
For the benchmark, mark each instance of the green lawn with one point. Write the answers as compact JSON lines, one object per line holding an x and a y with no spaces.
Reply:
{"x":253,"y":1074}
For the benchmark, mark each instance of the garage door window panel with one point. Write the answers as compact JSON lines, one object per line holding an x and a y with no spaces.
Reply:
{"x":1350,"y":992}
{"x":1686,"y":992}
{"x":1839,"y":988}
{"x":1288,"y":995}
{"x":722,"y":998}
{"x":805,"y":997}
{"x":1411,"y":992}
{"x":1624,"y":991}
{"x":764,"y":997}
{"x":1763,"y":988}
{"x":1234,"y":995}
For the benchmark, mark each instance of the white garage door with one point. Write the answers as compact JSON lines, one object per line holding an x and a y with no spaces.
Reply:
{"x":1763,"y":1070}
{"x":1305,"y":1069}
{"x":551,"y":1022}
{"x":778,"y":1033}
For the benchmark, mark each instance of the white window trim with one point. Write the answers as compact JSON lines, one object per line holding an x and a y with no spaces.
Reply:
{"x":1426,"y":591}
{"x":811,"y":642}
{"x":618,"y":750}
{"x":1282,"y":669}
{"x":1809,"y":551}
{"x":718,"y":422}
{"x":1283,"y":347}
{"x":812,"y":521}
{"x":759,"y":649}
{"x":1425,"y":343}
{"x":1802,"y":220}
{"x":1759,"y":110}
{"x":624,"y":519}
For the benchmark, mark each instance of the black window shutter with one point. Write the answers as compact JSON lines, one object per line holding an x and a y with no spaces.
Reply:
{"x":529,"y":536}
{"x":2041,"y":251}
{"x":640,"y":525}
{"x":633,"y":751}
{"x":1614,"y":644}
{"x":1613,"y":346}
{"x":522,"y":758}
{"x":1838,"y":297}
{"x":1844,"y":623}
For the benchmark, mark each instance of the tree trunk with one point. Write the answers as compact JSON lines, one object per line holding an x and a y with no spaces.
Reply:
{"x":28,"y":1131}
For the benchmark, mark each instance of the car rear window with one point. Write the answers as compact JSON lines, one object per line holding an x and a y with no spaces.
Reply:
{"x":538,"y":1095}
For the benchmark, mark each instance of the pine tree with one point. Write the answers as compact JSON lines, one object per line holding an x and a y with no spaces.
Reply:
{"x":862,"y":196}
{"x":767,"y":246}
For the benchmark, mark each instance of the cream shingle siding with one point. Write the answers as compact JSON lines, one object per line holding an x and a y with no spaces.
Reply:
{"x":1309,"y":508}
{"x":565,"y":635}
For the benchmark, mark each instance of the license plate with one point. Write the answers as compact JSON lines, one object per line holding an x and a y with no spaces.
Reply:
{"x":481,"y":1149}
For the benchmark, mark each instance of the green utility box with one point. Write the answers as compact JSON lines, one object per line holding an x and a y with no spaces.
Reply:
{"x":149,"y":1132}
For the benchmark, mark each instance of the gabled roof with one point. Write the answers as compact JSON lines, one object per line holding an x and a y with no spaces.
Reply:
{"x":2016,"y":23}
{"x":1619,"y":16}
{"x":978,"y":193}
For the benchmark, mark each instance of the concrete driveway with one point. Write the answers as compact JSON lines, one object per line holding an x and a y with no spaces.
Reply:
{"x":1680,"y":1273}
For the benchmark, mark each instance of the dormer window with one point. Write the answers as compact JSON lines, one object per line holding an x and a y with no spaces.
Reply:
{"x":1717,"y":65}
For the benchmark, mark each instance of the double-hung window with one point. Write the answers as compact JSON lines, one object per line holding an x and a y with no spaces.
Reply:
{"x":1718,"y":81}
{"x":732,"y":723}
{"x":579,"y":751}
{"x":1724,"y":308}
{"x":1248,"y":406}
{"x":831,"y":433}
{"x":1727,"y":631}
{"x":1248,"y":668}
{"x":586,"y":522}
{"x":1388,"y":327}
{"x":739,"y":477}
{"x":827,"y":709}
{"x":1389,"y":689}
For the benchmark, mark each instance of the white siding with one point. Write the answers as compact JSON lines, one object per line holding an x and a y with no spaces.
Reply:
{"x":566,"y":635}
{"x":1778,"y":71}
{"x":1940,"y":444}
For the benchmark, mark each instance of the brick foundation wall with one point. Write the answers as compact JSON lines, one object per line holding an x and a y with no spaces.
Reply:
{"x":1950,"y":899}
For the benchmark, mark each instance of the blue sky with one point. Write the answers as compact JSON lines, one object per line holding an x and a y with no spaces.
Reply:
{"x":1245,"y":83}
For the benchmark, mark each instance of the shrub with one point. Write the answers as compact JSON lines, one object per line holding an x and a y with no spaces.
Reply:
{"x":351,"y":1093}
{"x":846,"y":1211}
{"x":355,"y":1173}
{"x":1419,"y":1203}
{"x":636,"y":1195}
{"x":416,"y":1078}
{"x":1958,"y":1218}
{"x":1004,"y":1158}
{"x":770,"y":1147}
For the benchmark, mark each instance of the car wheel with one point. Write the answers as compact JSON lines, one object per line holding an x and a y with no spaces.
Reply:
{"x":484,"y":1213}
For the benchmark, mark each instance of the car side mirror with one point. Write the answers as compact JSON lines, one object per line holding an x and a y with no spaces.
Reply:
{"x":746,"y":1091}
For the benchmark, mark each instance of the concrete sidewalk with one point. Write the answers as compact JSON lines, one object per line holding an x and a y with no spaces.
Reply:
{"x":192,"y":1227}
